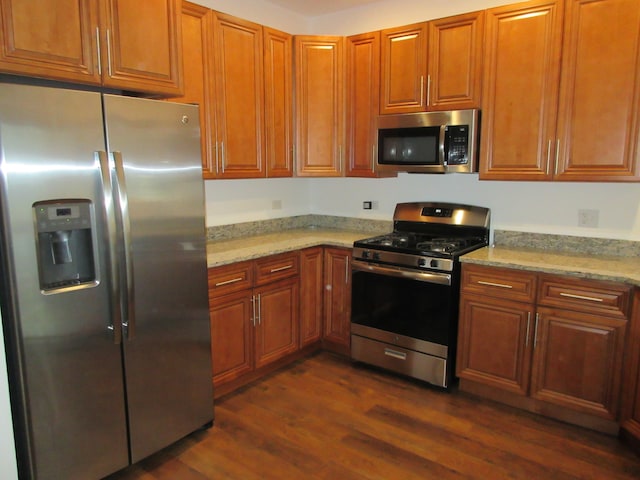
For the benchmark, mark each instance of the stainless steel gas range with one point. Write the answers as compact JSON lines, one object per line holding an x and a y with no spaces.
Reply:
{"x":406,"y":288}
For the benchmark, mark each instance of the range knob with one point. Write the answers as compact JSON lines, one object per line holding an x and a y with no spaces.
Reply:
{"x":434,"y":263}
{"x":366,"y":254}
{"x":376,"y":256}
{"x":422,"y":262}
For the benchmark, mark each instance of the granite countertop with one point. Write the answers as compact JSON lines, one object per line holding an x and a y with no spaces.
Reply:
{"x":223,"y":252}
{"x":623,"y":269}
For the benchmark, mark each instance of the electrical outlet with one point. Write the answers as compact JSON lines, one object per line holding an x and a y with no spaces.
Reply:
{"x":367,"y":205}
{"x":588,"y":218}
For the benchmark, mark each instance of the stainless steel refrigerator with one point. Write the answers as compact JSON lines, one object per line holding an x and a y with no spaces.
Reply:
{"x":104,"y":280}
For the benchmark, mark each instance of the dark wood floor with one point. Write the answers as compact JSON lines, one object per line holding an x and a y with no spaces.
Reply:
{"x":324,"y":418}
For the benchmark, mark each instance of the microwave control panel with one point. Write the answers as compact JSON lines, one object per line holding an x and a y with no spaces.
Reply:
{"x":457,"y":152}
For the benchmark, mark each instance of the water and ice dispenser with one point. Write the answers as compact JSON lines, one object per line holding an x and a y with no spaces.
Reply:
{"x":65,"y":243}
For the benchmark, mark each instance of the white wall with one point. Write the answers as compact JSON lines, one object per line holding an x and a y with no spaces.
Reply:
{"x":262,"y":12}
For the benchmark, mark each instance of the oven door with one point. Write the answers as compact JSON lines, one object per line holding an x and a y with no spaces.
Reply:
{"x":412,"y":309}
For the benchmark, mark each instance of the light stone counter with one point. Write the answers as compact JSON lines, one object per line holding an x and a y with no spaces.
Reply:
{"x":625,"y":269}
{"x":223,"y":252}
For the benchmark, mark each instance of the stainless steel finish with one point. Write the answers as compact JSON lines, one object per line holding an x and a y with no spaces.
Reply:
{"x":526,"y":337}
{"x":435,"y":119}
{"x":392,"y":339}
{"x":581,"y":297}
{"x":405,"y":259}
{"x":406,"y":362}
{"x":68,"y":369}
{"x":115,"y":319}
{"x":439,"y":278}
{"x":281,"y":269}
{"x":228,"y":282}
{"x":535,"y":331}
{"x":492,"y":284}
{"x":347,"y":269}
{"x":373,"y":156}
{"x":428,"y":90}
{"x":109,"y":51}
{"x":548,"y":156}
{"x":253,"y":310}
{"x":422,"y":90}
{"x":259,"y":310}
{"x":557,"y":155}
{"x":466,"y":215}
{"x":98,"y":51}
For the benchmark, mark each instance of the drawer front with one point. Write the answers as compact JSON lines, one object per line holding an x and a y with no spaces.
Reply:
{"x":499,"y":282}
{"x":230,"y":278}
{"x":277,"y":267}
{"x":583,"y":295}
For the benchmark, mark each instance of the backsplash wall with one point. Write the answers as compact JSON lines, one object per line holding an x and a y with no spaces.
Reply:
{"x":539,"y":207}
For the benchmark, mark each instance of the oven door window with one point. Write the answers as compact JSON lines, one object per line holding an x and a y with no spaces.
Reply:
{"x":415,"y":309}
{"x":409,"y":146}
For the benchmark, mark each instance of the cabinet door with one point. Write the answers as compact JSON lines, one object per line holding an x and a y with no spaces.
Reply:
{"x":198,"y":84}
{"x":319,"y":105}
{"x":337,"y":298}
{"x":231,"y":336}
{"x":494,"y":343}
{"x":143,"y":44}
{"x":311,"y":290}
{"x":598,"y":121}
{"x":404,"y":69}
{"x":577,"y":361}
{"x":455,"y":62}
{"x":520,"y":91}
{"x":630,"y":408}
{"x":50,"y":38}
{"x":363,"y":94}
{"x":278,"y":102}
{"x":239,"y":84}
{"x":276,"y":321}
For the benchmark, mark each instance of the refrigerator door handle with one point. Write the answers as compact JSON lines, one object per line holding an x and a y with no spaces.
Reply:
{"x":123,"y":206}
{"x":107,"y":190}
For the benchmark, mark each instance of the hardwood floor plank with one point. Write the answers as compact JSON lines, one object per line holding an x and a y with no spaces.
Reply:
{"x":325,"y":418}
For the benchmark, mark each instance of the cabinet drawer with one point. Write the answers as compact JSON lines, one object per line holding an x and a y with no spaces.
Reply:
{"x":230,"y":278}
{"x":277,"y":267}
{"x":499,"y":282}
{"x":589,"y":296}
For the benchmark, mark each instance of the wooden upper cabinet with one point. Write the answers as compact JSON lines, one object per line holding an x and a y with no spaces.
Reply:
{"x":598,"y":121}
{"x":196,"y":35}
{"x":54,"y":39}
{"x":404,"y":69}
{"x":123,"y":44}
{"x":143,"y":43}
{"x":520,"y":90}
{"x":278,"y":102}
{"x":319,"y":67}
{"x":239,"y":97}
{"x":454,"y":79}
{"x":363,"y":96}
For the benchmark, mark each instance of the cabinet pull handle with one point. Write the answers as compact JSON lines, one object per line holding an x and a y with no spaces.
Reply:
{"x":421,"y":89}
{"x":581,"y":297}
{"x":253,"y":310}
{"x":98,"y":51}
{"x":548,"y":156}
{"x":373,"y":157}
{"x":222,"y":159}
{"x":491,"y":284}
{"x":395,"y":354}
{"x":227,"y":282}
{"x":259,"y":310}
{"x":526,"y":338}
{"x":557,"y":155}
{"x":109,"y":52}
{"x":428,"y":90}
{"x":346,"y":271}
{"x":280,"y":269}
{"x":535,"y":332}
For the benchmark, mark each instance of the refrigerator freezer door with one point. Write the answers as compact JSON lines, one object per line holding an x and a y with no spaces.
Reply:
{"x":64,"y":362}
{"x":156,"y":151}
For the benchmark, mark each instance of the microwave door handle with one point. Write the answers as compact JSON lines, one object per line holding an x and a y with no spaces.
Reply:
{"x":442,"y":147}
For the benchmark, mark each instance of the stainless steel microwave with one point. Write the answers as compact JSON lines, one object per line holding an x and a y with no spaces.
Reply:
{"x":429,"y":142}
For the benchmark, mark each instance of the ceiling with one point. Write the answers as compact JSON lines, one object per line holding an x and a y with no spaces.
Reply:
{"x":314,"y":8}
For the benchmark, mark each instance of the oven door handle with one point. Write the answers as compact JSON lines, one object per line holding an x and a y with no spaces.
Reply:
{"x":439,"y":278}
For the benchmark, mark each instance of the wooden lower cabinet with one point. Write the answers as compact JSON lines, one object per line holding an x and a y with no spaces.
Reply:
{"x":311,"y":289}
{"x":560,"y":355}
{"x":254,"y":327}
{"x":630,"y":414}
{"x":337,"y":300}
